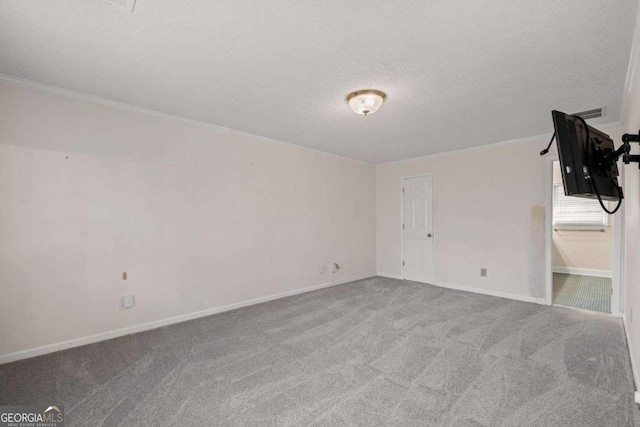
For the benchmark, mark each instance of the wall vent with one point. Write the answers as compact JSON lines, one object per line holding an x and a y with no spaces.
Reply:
{"x":127,"y":5}
{"x":590,"y":114}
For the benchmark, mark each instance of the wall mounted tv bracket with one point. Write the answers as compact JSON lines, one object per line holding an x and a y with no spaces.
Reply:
{"x":625,"y":148}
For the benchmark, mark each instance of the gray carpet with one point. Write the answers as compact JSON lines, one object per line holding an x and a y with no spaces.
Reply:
{"x":375,"y":352}
{"x":586,"y":292}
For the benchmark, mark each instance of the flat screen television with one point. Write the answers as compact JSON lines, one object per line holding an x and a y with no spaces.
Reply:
{"x":586,"y":159}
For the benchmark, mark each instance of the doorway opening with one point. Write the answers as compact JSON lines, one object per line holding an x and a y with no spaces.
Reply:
{"x":581,"y":251}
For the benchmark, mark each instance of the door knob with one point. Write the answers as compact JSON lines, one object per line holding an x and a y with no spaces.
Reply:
{"x":429,"y":235}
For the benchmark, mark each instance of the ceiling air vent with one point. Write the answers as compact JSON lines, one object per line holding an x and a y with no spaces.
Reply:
{"x":590,"y":114}
{"x":127,"y":5}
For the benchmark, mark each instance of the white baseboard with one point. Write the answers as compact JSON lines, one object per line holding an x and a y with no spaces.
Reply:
{"x":634,"y":367}
{"x":516,"y":297}
{"x":583,"y":271}
{"x":389,"y":276}
{"x":39,"y":351}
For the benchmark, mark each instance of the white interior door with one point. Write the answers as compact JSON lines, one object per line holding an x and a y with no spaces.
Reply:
{"x":417,"y":229}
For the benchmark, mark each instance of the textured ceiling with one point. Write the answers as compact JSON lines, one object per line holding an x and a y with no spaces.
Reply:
{"x":457,"y":73}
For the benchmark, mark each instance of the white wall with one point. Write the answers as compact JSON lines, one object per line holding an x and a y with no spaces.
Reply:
{"x":199,"y":218}
{"x":489,"y":202}
{"x":631,"y":206}
{"x":490,"y":212}
{"x":578,"y":250}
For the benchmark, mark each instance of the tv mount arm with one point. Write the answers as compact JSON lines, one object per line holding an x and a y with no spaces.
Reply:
{"x":625,"y":148}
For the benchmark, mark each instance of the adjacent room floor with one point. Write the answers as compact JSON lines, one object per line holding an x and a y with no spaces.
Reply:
{"x":585,"y":292}
{"x":374,"y":352}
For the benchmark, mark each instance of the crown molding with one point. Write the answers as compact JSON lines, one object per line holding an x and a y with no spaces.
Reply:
{"x":536,"y":138}
{"x":55,"y":90}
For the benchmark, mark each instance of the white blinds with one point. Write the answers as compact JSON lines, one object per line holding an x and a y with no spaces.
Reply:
{"x":576,"y":211}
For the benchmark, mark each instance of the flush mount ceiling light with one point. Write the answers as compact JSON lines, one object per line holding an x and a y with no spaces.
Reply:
{"x":366,"y":102}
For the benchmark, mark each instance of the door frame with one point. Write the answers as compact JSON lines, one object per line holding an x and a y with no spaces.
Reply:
{"x":435,"y":217}
{"x":618,"y":225}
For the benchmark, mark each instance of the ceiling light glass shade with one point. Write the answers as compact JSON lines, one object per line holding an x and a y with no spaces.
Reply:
{"x":366,"y":102}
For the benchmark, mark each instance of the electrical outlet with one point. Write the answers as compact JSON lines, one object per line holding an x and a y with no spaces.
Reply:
{"x":128,"y":301}
{"x":637,"y":395}
{"x":483,"y":272}
{"x":322,"y":269}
